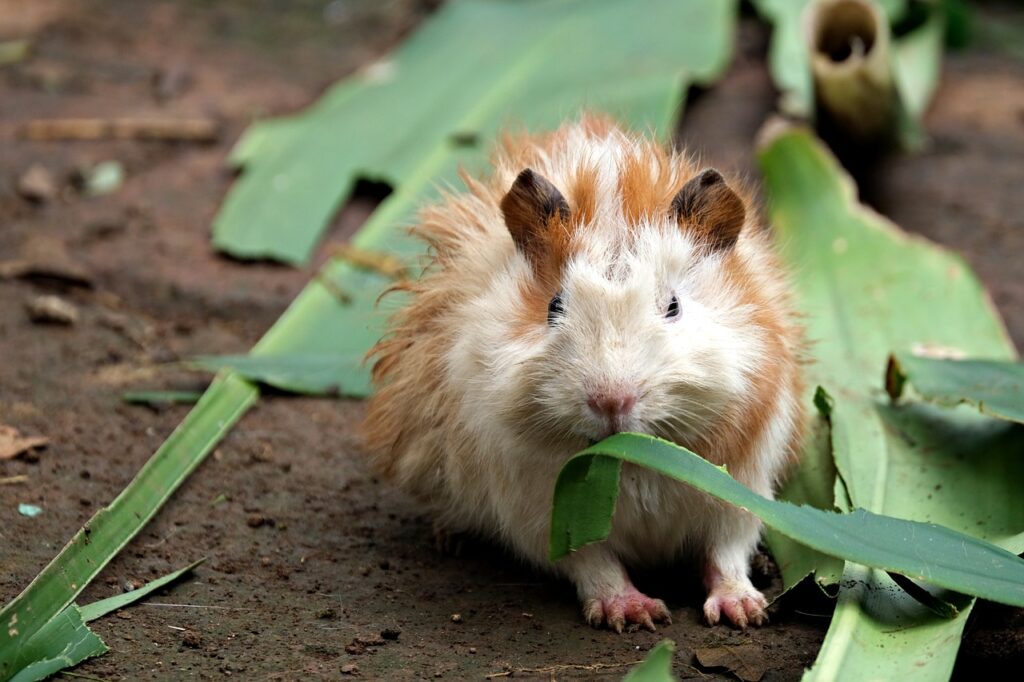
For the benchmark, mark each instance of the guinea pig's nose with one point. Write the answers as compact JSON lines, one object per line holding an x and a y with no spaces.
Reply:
{"x":611,"y":404}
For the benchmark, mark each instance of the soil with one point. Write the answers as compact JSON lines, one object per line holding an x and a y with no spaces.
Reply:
{"x":315,"y":569}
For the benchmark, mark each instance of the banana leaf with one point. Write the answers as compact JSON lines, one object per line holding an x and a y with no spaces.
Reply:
{"x":65,"y":640}
{"x":994,"y":388}
{"x":588,"y":487}
{"x":62,"y":642}
{"x":98,"y":609}
{"x":295,"y":373}
{"x":475,"y":68}
{"x":866,"y":290}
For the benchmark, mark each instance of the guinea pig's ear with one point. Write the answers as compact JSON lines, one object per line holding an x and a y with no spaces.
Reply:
{"x":529,"y":207}
{"x":709,"y":206}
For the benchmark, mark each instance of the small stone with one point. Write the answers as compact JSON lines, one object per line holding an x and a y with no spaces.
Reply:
{"x":327,"y":614}
{"x":472,"y":649}
{"x":36,"y":184}
{"x":390,"y":633}
{"x":103,"y":178}
{"x":370,"y":640}
{"x":350,"y":669}
{"x":257,"y":520}
{"x":456,"y":617}
{"x":51,"y":310}
{"x":191,"y":639}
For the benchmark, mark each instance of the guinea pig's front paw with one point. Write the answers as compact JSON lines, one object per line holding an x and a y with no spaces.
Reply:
{"x":739,"y":601}
{"x":629,"y":606}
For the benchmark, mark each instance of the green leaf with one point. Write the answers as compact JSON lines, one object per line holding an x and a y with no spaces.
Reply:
{"x":995,"y":387}
{"x":657,"y":666}
{"x":788,"y":59}
{"x":100,"y":608}
{"x":14,"y":51}
{"x":866,"y":289}
{"x":812,"y":483}
{"x":935,"y":603}
{"x":922,"y":551}
{"x":112,"y":527}
{"x":295,"y":373}
{"x":472,"y":69}
{"x":880,"y":632}
{"x":917,"y":60}
{"x":64,"y":641}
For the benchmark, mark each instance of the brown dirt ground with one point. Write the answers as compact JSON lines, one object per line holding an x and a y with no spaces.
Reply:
{"x":307,"y":552}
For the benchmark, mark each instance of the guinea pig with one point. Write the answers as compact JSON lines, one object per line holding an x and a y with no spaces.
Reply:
{"x":594,"y":284}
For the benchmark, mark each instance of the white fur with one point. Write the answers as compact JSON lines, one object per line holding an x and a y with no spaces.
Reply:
{"x":521,"y":401}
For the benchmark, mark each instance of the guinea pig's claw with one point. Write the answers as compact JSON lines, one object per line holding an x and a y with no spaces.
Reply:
{"x":631,"y":607}
{"x":742,"y":605}
{"x":646,"y":622}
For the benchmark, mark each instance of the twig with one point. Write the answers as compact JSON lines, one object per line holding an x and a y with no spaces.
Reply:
{"x":340,"y":295}
{"x":165,"y":129}
{"x":196,"y":606}
{"x":10,"y":480}
{"x":382,"y":263}
{"x":591,"y":667}
{"x":82,"y":676}
{"x":154,"y":545}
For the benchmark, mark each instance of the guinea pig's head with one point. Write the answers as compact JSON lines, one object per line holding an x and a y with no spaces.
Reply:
{"x":621,"y":320}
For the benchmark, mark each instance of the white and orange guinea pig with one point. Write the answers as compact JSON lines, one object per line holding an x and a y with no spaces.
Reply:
{"x":595,"y":283}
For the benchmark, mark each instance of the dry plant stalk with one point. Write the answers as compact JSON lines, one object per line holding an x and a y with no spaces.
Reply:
{"x":375,"y":261}
{"x":855,"y":92}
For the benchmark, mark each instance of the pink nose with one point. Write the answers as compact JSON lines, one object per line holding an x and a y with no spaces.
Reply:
{"x":611,"y":404}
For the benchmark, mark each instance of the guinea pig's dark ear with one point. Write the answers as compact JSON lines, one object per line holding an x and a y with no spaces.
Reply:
{"x":709,"y":206}
{"x":529,"y":207}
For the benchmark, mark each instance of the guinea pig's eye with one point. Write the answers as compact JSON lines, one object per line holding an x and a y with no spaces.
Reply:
{"x":555,"y":309}
{"x":672,"y":312}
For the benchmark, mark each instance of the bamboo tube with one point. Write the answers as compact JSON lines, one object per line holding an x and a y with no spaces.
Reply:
{"x":856,"y":101}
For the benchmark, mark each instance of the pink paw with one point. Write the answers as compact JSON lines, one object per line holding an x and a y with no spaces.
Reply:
{"x":740,"y":603}
{"x":629,"y":606}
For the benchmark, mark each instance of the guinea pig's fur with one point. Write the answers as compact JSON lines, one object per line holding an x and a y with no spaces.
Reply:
{"x":672,"y":318}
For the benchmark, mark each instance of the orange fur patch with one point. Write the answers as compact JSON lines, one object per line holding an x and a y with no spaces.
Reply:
{"x":733,"y":443}
{"x":647,"y":184}
{"x":582,"y":195}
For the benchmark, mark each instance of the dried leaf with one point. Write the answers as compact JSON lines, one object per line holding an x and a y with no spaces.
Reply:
{"x":745,"y":661}
{"x":12,"y":443}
